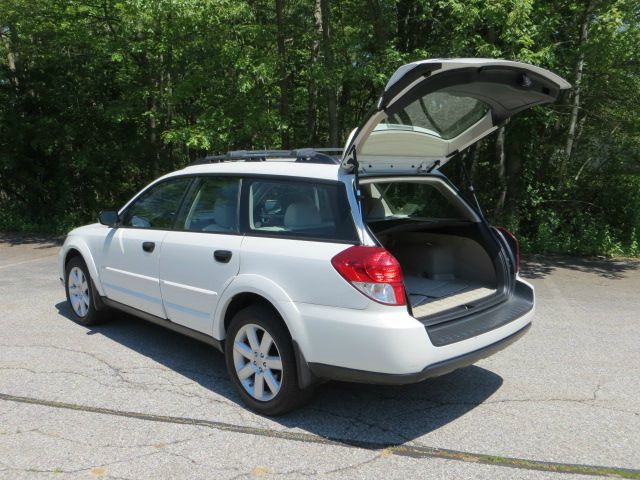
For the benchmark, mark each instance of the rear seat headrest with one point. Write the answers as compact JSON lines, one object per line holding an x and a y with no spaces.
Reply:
{"x":302,"y":214}
{"x":224,"y":213}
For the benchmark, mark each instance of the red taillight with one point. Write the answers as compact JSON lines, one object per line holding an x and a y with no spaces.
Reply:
{"x":373,"y":271}
{"x":514,"y":244}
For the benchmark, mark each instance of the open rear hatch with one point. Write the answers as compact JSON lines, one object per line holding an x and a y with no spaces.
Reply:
{"x":432,"y":109}
{"x":453,"y":261}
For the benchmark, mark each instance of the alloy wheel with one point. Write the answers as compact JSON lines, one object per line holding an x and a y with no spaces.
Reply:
{"x":79,"y":296}
{"x":257,"y":362}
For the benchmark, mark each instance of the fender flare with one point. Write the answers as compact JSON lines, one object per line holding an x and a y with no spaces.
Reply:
{"x":276,"y":296}
{"x":79,"y":244}
{"x":258,"y":285}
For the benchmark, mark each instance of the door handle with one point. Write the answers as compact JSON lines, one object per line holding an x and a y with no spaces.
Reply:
{"x":148,"y":246}
{"x":222,"y":256}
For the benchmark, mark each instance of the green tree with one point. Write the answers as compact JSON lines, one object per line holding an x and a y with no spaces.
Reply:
{"x":99,"y":97}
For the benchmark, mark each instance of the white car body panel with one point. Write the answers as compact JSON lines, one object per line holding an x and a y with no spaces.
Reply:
{"x":278,"y":169}
{"x":456,"y":63}
{"x":302,"y":268}
{"x":191,"y":278}
{"x":130,"y":275}
{"x":384,"y":143}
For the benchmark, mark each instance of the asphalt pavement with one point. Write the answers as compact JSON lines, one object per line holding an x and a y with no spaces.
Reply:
{"x":131,"y":400}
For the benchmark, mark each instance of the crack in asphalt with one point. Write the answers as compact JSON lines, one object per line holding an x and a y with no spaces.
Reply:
{"x":127,"y":384}
{"x":404,"y":450}
{"x":156,"y":445}
{"x":119,"y":374}
{"x":81,"y":469}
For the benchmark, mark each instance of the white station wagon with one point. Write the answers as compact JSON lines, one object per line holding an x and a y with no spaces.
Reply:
{"x":304,"y":267}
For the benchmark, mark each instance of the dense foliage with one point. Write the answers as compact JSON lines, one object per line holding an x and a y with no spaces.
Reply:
{"x":98,"y":97}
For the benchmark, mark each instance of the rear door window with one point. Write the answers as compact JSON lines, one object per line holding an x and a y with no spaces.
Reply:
{"x":212,"y":206}
{"x":300,"y":209}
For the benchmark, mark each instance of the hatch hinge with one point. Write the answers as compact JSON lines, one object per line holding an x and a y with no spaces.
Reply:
{"x":433,"y":166}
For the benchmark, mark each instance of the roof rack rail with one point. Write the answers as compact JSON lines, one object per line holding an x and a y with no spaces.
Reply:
{"x":328,"y":156}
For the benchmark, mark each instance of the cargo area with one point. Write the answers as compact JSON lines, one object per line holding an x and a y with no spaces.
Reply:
{"x":441,"y":271}
{"x":446,"y":260}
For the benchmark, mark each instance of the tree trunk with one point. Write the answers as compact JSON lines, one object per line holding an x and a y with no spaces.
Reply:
{"x":12,"y":61}
{"x":411,"y":25}
{"x":379,"y":24}
{"x":153,"y":132}
{"x":330,"y":89}
{"x":474,"y":154}
{"x":346,"y":115}
{"x":515,"y":184}
{"x":577,"y":81}
{"x":312,"y":111}
{"x":501,"y":157}
{"x":285,"y":79}
{"x":403,"y":14}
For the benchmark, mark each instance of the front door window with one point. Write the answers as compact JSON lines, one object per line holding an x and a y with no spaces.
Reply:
{"x":158,"y":206}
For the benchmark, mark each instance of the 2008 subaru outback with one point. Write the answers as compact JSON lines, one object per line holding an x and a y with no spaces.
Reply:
{"x":370,"y":267}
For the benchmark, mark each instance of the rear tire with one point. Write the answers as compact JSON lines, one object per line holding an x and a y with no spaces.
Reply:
{"x":81,"y":293}
{"x":261,"y":362}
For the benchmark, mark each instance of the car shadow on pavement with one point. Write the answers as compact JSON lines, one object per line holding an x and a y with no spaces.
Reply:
{"x":369,"y":416}
{"x":538,"y":266}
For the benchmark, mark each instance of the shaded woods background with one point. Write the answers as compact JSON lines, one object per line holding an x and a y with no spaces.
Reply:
{"x":98,"y":97}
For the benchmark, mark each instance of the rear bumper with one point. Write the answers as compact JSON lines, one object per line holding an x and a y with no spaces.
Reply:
{"x":388,"y":346}
{"x":361,"y":376}
{"x":520,"y":303}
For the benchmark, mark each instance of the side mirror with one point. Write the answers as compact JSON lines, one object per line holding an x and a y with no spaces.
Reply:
{"x":109,"y":218}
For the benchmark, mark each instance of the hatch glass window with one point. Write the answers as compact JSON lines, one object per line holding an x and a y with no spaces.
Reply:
{"x":440,"y":114}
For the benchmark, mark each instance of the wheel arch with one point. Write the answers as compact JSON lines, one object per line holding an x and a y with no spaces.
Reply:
{"x":248,"y":290}
{"x":77,"y":247}
{"x":243,"y":300}
{"x":72,"y":252}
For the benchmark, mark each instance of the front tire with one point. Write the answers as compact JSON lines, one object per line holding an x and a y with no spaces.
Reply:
{"x":261,"y":362}
{"x":80,"y":293}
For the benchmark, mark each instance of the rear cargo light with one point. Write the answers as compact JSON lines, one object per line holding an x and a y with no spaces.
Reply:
{"x":373,"y":271}
{"x":514,"y":244}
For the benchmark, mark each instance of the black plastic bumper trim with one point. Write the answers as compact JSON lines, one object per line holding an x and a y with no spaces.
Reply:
{"x":343,"y":374}
{"x":476,"y":323}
